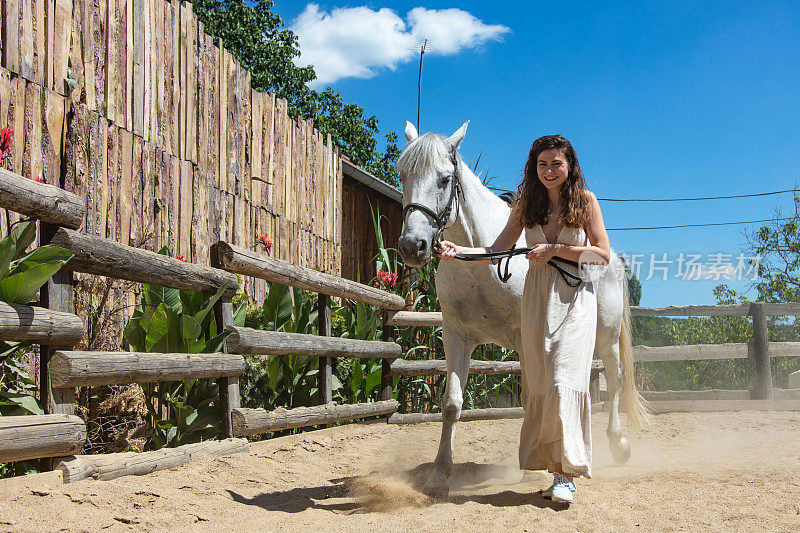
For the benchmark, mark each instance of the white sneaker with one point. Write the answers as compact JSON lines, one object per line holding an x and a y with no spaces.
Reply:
{"x":561,"y":490}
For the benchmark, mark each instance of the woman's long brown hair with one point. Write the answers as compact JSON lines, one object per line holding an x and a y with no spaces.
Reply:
{"x":533,"y":202}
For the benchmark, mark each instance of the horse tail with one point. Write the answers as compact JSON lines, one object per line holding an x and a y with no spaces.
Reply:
{"x":634,"y":404}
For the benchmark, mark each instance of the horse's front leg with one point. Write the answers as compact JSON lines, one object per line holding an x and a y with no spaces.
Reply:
{"x":609,"y":353}
{"x":457,"y":351}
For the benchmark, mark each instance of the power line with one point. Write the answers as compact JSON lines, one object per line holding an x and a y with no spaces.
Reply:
{"x":702,"y":225}
{"x":694,"y":199}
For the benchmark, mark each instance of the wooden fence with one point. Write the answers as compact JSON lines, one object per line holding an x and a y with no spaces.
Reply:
{"x":162,"y":135}
{"x":760,"y":349}
{"x":63,"y":370}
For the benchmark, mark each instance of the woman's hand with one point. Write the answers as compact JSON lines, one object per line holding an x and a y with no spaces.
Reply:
{"x":542,"y":252}
{"x":447,"y":250}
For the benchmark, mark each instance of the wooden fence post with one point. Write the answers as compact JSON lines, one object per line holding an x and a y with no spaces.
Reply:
{"x":57,"y":295}
{"x":229,"y":386}
{"x":325,"y":369}
{"x":386,"y":364}
{"x":760,"y":352}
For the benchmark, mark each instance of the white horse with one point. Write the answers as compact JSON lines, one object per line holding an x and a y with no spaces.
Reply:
{"x":440,"y":191}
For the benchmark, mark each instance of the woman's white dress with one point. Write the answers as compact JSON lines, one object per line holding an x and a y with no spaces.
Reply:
{"x":559,"y":326}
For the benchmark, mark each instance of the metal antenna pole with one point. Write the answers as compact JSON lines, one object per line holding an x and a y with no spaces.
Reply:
{"x":419,"y":80}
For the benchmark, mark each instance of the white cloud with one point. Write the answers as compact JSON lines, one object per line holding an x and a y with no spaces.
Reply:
{"x":359,"y":42}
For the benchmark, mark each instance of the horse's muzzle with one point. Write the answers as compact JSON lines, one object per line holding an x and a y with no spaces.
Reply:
{"x":414,"y":251}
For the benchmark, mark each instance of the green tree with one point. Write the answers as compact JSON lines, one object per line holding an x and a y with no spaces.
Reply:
{"x":256,"y":37}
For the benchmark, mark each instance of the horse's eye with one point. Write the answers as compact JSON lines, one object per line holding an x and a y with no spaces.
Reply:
{"x":444,"y":180}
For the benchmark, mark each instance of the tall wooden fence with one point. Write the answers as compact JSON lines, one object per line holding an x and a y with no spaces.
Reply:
{"x":162,"y":134}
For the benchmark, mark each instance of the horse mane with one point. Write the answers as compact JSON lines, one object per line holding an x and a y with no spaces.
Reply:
{"x":423,"y":153}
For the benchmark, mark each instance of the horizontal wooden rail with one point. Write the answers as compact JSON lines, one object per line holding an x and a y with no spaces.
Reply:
{"x":90,"y":369}
{"x":35,"y":436}
{"x":418,"y":318}
{"x":731,"y":350}
{"x":434,"y":367}
{"x":257,"y":421}
{"x":95,"y":255}
{"x":113,"y":465}
{"x":494,"y":413}
{"x":697,"y":406}
{"x":711,"y":394}
{"x":23,"y":323}
{"x":40,"y":200}
{"x":250,"y":263}
{"x":260,"y":342}
{"x":413,"y":318}
{"x":772,"y":309}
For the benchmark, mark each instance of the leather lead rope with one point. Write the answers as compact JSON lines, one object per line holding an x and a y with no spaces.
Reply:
{"x":571,"y":279}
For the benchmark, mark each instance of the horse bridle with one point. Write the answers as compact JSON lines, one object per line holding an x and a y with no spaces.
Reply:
{"x":440,"y":219}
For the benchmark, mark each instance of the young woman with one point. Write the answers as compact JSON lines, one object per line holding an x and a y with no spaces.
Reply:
{"x":561,"y":218}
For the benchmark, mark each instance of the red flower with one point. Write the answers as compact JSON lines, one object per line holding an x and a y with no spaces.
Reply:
{"x":180,"y":258}
{"x":38,"y":179}
{"x":5,"y":138}
{"x":265,"y":242}
{"x":387,"y":279}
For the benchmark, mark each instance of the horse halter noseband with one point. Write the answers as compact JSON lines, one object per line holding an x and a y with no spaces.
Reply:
{"x":440,"y":219}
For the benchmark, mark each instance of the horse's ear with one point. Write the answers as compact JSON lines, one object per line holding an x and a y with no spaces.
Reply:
{"x":411,"y":132}
{"x":456,"y":138}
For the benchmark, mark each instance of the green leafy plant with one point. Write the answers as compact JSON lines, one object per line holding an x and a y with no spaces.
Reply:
{"x":23,"y":274}
{"x":178,"y":321}
{"x":282,"y":381}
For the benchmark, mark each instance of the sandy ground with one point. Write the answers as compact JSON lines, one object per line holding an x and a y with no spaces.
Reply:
{"x":697,"y":471}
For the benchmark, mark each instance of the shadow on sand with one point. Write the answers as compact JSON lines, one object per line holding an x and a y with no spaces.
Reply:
{"x":485,"y":484}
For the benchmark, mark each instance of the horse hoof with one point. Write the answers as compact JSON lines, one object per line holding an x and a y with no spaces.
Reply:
{"x":436,"y":486}
{"x":621,"y":451}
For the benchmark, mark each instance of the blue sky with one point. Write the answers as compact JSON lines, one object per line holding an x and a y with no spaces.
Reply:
{"x":660,"y":99}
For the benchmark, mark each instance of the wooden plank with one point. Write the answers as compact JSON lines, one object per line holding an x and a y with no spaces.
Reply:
{"x":467,"y":415}
{"x":105,"y":258}
{"x":12,"y":31}
{"x":325,"y":363}
{"x":181,"y":49}
{"x":257,"y":129}
{"x":39,"y":42}
{"x":259,"y":342}
{"x":414,"y":318}
{"x":26,"y":39}
{"x":257,"y":421}
{"x":137,"y":193}
{"x":140,"y":59}
{"x":93,"y":369}
{"x":22,"y":323}
{"x":186,"y":236}
{"x":19,"y":88}
{"x":48,"y":52}
{"x":222,"y":73}
{"x":110,"y":79}
{"x":174,"y":202}
{"x":110,"y":466}
{"x":174,"y":56}
{"x":110,"y":183}
{"x":127,"y":178}
{"x":32,"y":437}
{"x":191,"y":84}
{"x":61,"y":38}
{"x":40,"y":200}
{"x":32,"y":153}
{"x":231,"y":119}
{"x":251,"y":263}
{"x":126,"y":99}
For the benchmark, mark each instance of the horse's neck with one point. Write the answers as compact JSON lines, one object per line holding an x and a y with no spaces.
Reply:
{"x":482,"y":215}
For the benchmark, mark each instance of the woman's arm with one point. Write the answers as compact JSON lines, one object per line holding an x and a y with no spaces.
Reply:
{"x":507,"y":237}
{"x":595,"y":229}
